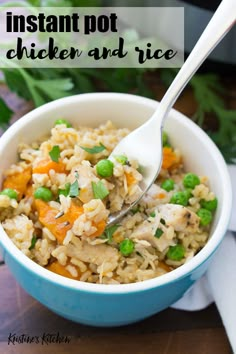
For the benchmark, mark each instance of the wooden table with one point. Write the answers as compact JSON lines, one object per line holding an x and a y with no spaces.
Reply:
{"x":169,"y":332}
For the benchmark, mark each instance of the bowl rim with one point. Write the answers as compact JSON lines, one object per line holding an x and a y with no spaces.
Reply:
{"x":174,"y":275}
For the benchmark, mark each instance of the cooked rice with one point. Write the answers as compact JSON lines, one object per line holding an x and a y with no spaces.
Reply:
{"x":87,"y":251}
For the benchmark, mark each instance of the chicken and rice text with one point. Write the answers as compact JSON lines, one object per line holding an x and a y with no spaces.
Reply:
{"x":55,"y":202}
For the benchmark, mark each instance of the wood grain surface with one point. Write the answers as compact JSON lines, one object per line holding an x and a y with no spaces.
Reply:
{"x":169,"y":332}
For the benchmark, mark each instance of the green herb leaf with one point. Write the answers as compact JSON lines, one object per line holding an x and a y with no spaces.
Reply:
{"x":95,"y":149}
{"x":55,"y":153}
{"x":121,"y":159}
{"x":5,"y":115}
{"x":99,"y":190}
{"x":34,"y":2}
{"x":141,"y":169}
{"x":135,"y":210}
{"x":74,"y":189}
{"x":167,"y":75}
{"x":109,"y":231}
{"x":31,"y":85}
{"x":54,"y":89}
{"x":158,"y":233}
{"x":208,"y":93}
{"x":33,"y":242}
{"x":16,"y":83}
{"x":65,"y":191}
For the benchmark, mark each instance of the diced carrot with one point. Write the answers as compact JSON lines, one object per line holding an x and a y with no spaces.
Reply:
{"x":44,"y":166}
{"x":164,"y":266}
{"x":161,"y":195}
{"x":130,"y":178}
{"x":118,"y":237}
{"x":59,"y":226}
{"x":84,"y":195}
{"x":29,"y":191}
{"x":29,"y":195}
{"x":170,"y":159}
{"x":100,"y":228}
{"x":18,"y":181}
{"x":57,"y":268}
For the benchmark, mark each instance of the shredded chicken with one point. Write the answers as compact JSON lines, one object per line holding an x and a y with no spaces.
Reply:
{"x":146,"y":232}
{"x":85,"y":177}
{"x":180,"y":217}
{"x":98,"y":254}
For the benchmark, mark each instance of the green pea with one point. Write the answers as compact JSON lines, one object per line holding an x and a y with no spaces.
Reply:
{"x":11,"y":193}
{"x":176,"y":253}
{"x":205,"y":216}
{"x":188,"y":193}
{"x":209,"y":204}
{"x":191,"y":180}
{"x":43,"y":193}
{"x":126,"y":247}
{"x":104,"y":168}
{"x":168,"y":185}
{"x":152,"y":214}
{"x":164,"y":138}
{"x":179,"y":198}
{"x":63,"y":121}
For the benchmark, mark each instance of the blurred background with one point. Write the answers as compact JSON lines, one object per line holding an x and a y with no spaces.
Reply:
{"x":197,"y":15}
{"x":209,"y":99}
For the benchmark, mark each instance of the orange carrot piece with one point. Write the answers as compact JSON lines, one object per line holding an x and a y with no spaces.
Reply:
{"x":18,"y":181}
{"x":29,"y":191}
{"x":60,"y":226}
{"x":161,"y":195}
{"x":101,"y":225}
{"x":130,"y":178}
{"x":44,"y":166}
{"x":170,"y":160}
{"x":57,"y":268}
{"x":164,"y":266}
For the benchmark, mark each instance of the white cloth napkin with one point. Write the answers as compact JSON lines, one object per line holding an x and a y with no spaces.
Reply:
{"x":219,"y":283}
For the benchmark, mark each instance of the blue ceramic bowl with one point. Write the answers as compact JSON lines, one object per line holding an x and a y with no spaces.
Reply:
{"x":115,"y":305}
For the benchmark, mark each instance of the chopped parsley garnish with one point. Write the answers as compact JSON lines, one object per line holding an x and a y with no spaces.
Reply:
{"x":121,"y":159}
{"x":135,"y":210}
{"x":162,"y":221}
{"x":158,"y":233}
{"x":109,"y":231}
{"x":55,"y":153}
{"x":33,"y":242}
{"x":164,"y":138}
{"x":99,"y":190}
{"x":66,"y":190}
{"x":141,"y":169}
{"x":74,"y":189}
{"x":95,"y":149}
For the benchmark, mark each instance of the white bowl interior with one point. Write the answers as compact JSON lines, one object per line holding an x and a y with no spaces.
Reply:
{"x":200,"y":154}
